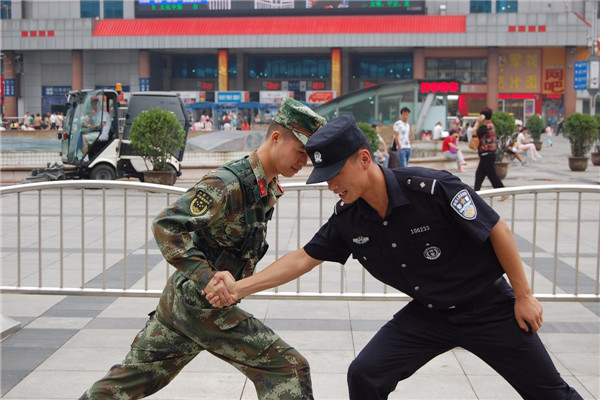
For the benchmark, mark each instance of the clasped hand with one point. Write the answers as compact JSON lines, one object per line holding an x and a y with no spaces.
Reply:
{"x":221,"y":290}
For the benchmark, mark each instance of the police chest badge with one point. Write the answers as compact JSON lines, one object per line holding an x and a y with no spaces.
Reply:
{"x":463,"y":204}
{"x":432,"y":252}
{"x":361,"y":239}
{"x":201,"y":203}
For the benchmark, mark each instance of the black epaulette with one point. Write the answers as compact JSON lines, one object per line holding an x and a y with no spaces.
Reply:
{"x":340,"y":206}
{"x":419,"y":184}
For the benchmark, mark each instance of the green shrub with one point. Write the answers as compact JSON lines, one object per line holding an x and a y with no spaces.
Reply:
{"x":582,"y":132}
{"x":505,"y":128}
{"x":371,"y":135}
{"x":535,"y":126}
{"x":156,"y":135}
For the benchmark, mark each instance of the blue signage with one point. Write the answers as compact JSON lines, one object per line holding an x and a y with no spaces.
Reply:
{"x":144,"y":84}
{"x":581,"y":75}
{"x":294,"y":86}
{"x":231,"y":97}
{"x":9,"y":87}
{"x":55,"y":91}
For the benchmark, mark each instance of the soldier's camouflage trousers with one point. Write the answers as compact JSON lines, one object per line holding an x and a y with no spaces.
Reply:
{"x":183,"y":326}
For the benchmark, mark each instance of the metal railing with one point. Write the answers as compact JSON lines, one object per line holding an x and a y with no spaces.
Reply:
{"x":93,"y":238}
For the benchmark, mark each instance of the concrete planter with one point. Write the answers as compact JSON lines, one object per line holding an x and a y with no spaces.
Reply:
{"x":160,"y":177}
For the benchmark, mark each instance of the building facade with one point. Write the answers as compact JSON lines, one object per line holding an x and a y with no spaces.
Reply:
{"x":519,"y":56}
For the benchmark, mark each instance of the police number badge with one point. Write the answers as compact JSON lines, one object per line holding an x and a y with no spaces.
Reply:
{"x":201,"y":203}
{"x":463,"y":204}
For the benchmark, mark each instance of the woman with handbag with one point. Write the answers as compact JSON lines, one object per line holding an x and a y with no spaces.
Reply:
{"x":488,"y":145}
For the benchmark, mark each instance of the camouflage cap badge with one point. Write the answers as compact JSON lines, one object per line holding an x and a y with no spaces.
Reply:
{"x":299,"y":118}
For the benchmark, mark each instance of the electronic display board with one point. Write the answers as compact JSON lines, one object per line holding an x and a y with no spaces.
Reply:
{"x":249,"y":8}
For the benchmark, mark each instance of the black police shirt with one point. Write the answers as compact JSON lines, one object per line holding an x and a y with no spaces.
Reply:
{"x":433,"y":243}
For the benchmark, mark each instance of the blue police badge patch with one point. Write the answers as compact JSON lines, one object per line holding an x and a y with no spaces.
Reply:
{"x":463,"y":204}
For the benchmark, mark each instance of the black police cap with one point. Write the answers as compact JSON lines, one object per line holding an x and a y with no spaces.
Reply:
{"x":331,"y":145}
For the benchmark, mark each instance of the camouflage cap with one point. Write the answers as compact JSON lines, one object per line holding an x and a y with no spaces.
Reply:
{"x":298,"y":118}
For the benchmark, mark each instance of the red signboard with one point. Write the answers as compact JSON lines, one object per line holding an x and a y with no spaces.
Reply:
{"x":439,"y":87}
{"x":319,"y":97}
{"x":207,"y":85}
{"x":272,"y":85}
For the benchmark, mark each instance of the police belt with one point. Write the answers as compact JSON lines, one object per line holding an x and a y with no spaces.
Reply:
{"x":487,"y":293}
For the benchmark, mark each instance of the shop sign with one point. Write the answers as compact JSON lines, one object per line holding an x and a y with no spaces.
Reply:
{"x":366,"y":84}
{"x":316,"y":85}
{"x":553,"y":71}
{"x":202,"y":85}
{"x":144,"y":84}
{"x":581,"y":74}
{"x":232,"y":97}
{"x":320,"y":96}
{"x":9,"y":87}
{"x":594,"y":75}
{"x":271,"y":85}
{"x":274,"y":96}
{"x":294,"y":86}
{"x":55,"y":91}
{"x":519,"y":71}
{"x":439,"y":87}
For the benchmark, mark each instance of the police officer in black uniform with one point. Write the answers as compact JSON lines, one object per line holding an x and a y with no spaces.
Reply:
{"x":407,"y":227}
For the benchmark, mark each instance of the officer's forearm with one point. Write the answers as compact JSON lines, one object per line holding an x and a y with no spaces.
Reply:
{"x":287,"y":268}
{"x":508,"y":254}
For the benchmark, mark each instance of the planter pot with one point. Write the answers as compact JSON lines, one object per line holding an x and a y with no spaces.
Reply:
{"x":501,"y":169}
{"x":537,"y":144}
{"x":160,"y":177}
{"x":578,"y":163}
{"x":596,"y":158}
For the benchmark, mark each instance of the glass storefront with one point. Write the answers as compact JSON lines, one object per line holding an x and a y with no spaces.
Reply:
{"x":377,"y":104}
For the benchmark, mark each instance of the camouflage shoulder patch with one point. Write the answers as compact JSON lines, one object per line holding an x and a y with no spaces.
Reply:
{"x":424,"y":185}
{"x":201,"y":203}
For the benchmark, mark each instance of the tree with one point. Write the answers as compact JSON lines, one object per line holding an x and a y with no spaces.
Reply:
{"x":535,"y":126}
{"x":156,"y":134}
{"x":370,"y":134}
{"x":582,"y":132}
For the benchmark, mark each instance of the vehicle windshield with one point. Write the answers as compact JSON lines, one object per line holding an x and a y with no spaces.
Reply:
{"x":86,"y":112}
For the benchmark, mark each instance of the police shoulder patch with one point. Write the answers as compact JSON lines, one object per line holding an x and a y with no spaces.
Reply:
{"x":201,"y":203}
{"x":419,"y":184}
{"x":463,"y":204}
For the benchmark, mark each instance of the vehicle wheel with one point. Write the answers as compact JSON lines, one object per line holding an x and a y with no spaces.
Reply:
{"x":103,"y":172}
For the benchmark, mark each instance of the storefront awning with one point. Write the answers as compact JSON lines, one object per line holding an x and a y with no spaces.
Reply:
{"x":314,"y":25}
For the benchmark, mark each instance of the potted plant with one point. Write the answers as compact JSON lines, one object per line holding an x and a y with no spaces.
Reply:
{"x":582,"y":132}
{"x":596,"y":149}
{"x":371,"y":135}
{"x":505,"y":128}
{"x":156,"y":134}
{"x":535,"y":124}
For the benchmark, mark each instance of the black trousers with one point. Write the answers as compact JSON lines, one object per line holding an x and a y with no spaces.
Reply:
{"x":487,"y":167}
{"x":489,"y":330}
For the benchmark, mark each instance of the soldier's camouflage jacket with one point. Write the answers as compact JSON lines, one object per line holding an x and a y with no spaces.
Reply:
{"x":220,"y":223}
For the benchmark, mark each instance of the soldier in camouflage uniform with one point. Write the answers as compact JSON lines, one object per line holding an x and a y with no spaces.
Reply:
{"x":220,"y":224}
